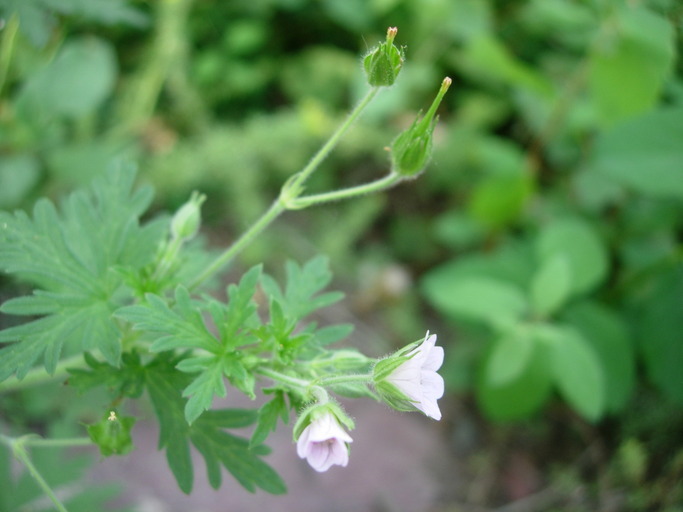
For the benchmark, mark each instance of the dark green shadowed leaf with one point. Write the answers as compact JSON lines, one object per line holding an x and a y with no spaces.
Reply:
{"x":208,"y":434}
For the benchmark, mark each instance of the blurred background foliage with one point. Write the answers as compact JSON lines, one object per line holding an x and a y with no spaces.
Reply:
{"x":543,"y":244}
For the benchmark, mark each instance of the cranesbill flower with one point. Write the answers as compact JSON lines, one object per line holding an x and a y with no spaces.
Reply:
{"x":409,"y":379}
{"x":324,"y":443}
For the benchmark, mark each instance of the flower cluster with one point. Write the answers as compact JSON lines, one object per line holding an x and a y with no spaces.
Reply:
{"x":407,"y":380}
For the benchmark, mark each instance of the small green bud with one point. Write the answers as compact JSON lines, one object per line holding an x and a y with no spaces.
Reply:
{"x":411,"y":150}
{"x":112,"y":434}
{"x":186,"y":221}
{"x":383,"y":64}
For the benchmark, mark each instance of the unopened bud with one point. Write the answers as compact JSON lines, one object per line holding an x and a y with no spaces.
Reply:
{"x":383,"y":64}
{"x":412,"y":149}
{"x":186,"y":221}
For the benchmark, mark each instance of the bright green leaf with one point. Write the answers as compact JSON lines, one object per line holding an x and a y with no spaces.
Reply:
{"x":551,"y":285}
{"x":628,"y":69}
{"x":510,"y":356}
{"x":644,"y":153}
{"x":519,"y":398}
{"x":577,"y":242}
{"x":577,"y":371}
{"x":476,"y":298}
{"x":608,"y":336}
{"x":74,"y":84}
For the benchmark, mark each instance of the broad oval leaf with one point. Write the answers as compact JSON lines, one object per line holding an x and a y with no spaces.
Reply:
{"x":575,"y":240}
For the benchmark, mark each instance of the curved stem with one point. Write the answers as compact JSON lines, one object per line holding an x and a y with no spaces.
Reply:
{"x":346,"y":193}
{"x":294,"y":187}
{"x":226,"y":256}
{"x":20,"y":452}
{"x":334,"y":139}
{"x":294,"y":382}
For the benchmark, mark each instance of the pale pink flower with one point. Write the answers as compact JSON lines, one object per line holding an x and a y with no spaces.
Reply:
{"x":417,"y":379}
{"x":323,"y":443}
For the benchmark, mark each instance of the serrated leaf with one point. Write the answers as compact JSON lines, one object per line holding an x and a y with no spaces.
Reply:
{"x":202,"y":390}
{"x":126,"y":380}
{"x":268,"y":415}
{"x":551,"y":285}
{"x":333,"y":333}
{"x":207,"y":434}
{"x":69,"y":255}
{"x":303,"y":285}
{"x":181,"y":326}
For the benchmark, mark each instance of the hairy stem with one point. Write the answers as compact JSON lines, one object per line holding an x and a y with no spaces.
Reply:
{"x":294,"y":187}
{"x":38,"y":375}
{"x":18,"y":447}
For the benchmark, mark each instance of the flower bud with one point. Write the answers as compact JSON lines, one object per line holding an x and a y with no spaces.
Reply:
{"x":412,"y":149}
{"x":383,"y":64}
{"x":112,"y":434}
{"x":408,"y":380}
{"x":186,"y":221}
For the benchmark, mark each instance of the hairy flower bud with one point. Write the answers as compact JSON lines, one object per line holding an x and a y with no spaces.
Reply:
{"x":383,"y":64}
{"x":186,"y":221}
{"x":412,"y":149}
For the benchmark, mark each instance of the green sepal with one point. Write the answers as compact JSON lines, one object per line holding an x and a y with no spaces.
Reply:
{"x":383,"y":64}
{"x":112,"y":434}
{"x":316,"y":411}
{"x":412,"y":149}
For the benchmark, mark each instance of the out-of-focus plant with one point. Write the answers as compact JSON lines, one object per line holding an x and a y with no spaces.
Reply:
{"x":567,"y":273}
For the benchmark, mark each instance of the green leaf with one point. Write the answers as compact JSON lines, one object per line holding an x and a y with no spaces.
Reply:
{"x":607,"y":334}
{"x":69,"y":255}
{"x":659,"y":324}
{"x":207,"y":434}
{"x":127,"y":380}
{"x":642,"y":48}
{"x":74,"y":84}
{"x":268,"y":415}
{"x":644,"y":153}
{"x":474,"y":297}
{"x":510,"y":356}
{"x":521,"y":397}
{"x":577,"y":242}
{"x":577,"y":371}
{"x":499,"y":199}
{"x":19,"y":174}
{"x":551,"y":285}
{"x":202,"y":390}
{"x":303,"y":285}
{"x":181,"y":327}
